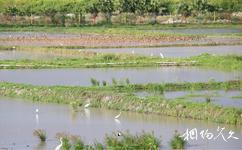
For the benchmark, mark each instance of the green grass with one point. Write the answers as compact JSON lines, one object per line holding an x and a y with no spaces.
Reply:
{"x":41,"y":134}
{"x":125,"y":141}
{"x":108,"y":28}
{"x":177,"y":142}
{"x":113,"y":98}
{"x":229,"y":62}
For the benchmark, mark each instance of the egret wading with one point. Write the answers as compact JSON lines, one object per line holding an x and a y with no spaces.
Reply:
{"x":161,"y":55}
{"x":59,"y":146}
{"x":116,"y":117}
{"x":87,"y":105}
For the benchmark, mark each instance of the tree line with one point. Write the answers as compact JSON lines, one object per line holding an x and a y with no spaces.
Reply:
{"x":51,"y":8}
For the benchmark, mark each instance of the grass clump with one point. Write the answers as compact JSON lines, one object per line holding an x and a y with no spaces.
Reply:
{"x":41,"y":134}
{"x":95,"y":82}
{"x":129,"y":141}
{"x":177,"y":142}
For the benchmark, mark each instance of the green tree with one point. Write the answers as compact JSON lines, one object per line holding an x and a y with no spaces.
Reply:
{"x":106,"y":7}
{"x":93,"y":8}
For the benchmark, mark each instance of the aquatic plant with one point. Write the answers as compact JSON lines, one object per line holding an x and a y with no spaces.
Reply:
{"x":66,"y":144}
{"x":79,"y":145}
{"x":114,"y":81}
{"x":104,"y":83}
{"x":129,"y":141}
{"x":208,"y":99}
{"x":95,"y":82}
{"x":127,"y":81}
{"x":41,"y":134}
{"x":177,"y":142}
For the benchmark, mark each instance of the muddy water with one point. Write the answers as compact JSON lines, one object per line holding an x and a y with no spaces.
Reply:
{"x":175,"y":51}
{"x":83,"y":76}
{"x":223,"y":98}
{"x":18,"y":120}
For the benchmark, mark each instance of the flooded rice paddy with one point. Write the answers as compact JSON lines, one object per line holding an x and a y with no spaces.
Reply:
{"x":222,"y":98}
{"x":170,"y":52}
{"x":92,"y":124}
{"x":175,"y":52}
{"x":18,"y":118}
{"x":82,"y":77}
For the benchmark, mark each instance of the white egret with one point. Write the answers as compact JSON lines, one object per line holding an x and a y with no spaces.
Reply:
{"x":132,"y":51}
{"x":59,"y":146}
{"x":161,"y":55}
{"x":87,"y":105}
{"x":36,"y":110}
{"x":151,"y":54}
{"x":87,"y":113}
{"x":116,"y":117}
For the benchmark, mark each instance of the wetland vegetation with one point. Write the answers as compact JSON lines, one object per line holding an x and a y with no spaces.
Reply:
{"x":85,"y":59}
{"x":114,"y":98}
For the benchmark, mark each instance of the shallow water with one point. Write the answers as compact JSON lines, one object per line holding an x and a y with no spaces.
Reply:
{"x":83,"y":76}
{"x":13,"y":55}
{"x":219,"y":97}
{"x":174,"y":52}
{"x":18,"y":123}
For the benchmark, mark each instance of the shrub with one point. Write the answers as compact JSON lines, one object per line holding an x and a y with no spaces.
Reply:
{"x":177,"y":142}
{"x":41,"y":134}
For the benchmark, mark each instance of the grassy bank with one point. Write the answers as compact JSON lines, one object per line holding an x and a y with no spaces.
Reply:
{"x":95,"y":60}
{"x":113,"y":29}
{"x":126,"y":101}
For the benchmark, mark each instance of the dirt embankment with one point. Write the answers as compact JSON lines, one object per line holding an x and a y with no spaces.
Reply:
{"x":98,"y":40}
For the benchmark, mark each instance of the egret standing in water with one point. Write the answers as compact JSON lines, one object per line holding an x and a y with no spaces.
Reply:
{"x":116,"y":117}
{"x":161,"y":55}
{"x":59,"y":146}
{"x":36,"y":110}
{"x":132,"y":51}
{"x":151,"y":54}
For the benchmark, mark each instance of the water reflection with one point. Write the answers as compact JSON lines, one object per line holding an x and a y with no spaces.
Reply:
{"x":230,"y":98}
{"x":82,"y":77}
{"x":17,"y":125}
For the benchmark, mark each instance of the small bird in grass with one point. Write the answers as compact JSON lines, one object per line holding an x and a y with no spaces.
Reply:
{"x":119,"y":134}
{"x":161,"y":55}
{"x":59,"y":146}
{"x":116,"y":117}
